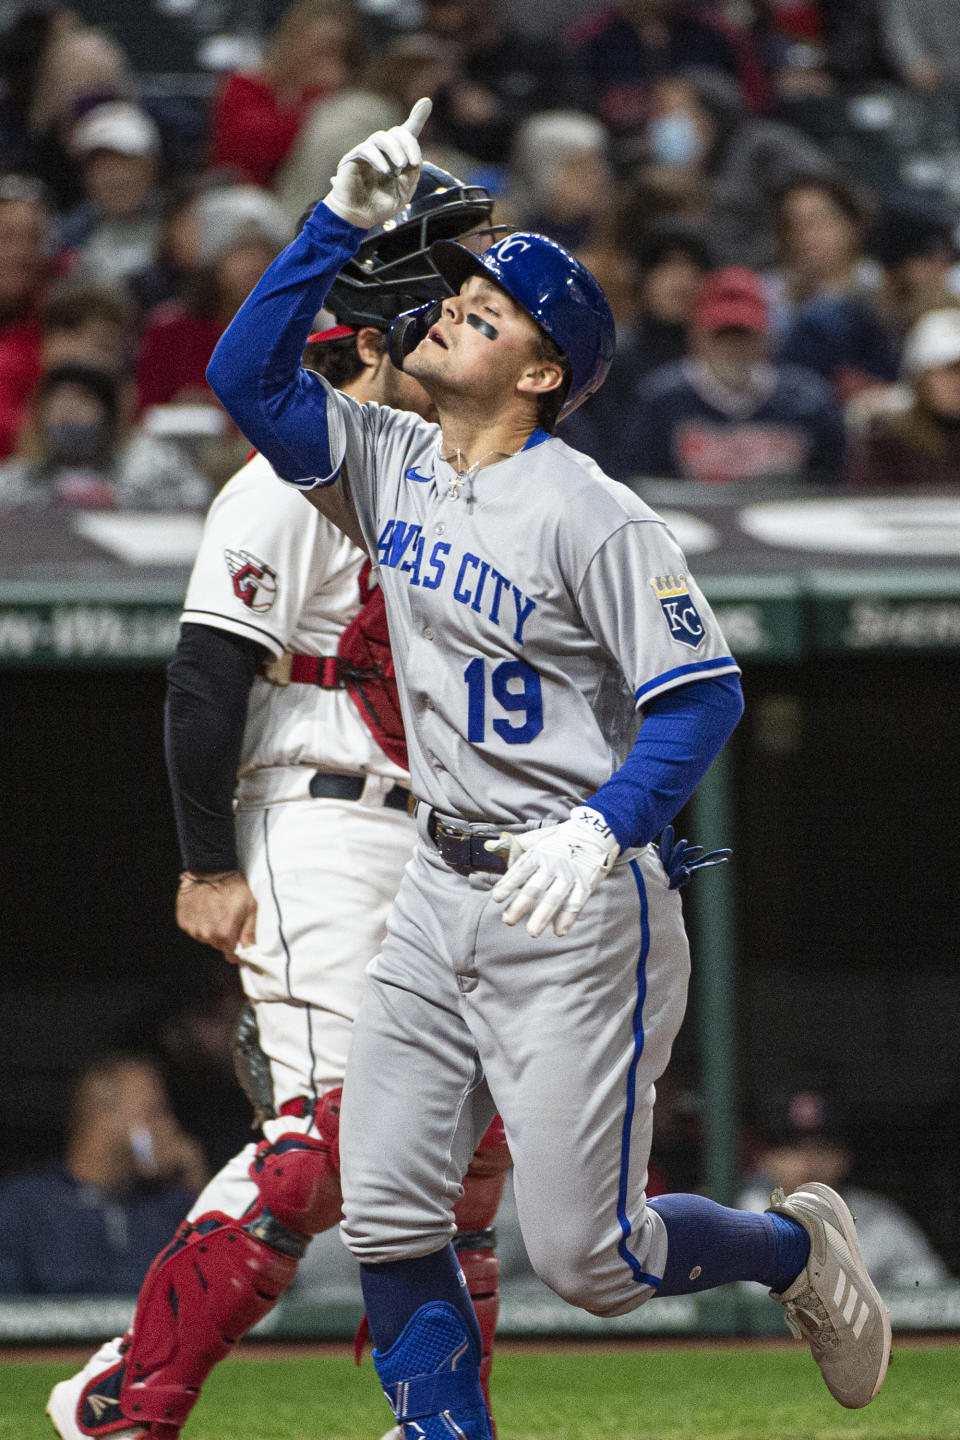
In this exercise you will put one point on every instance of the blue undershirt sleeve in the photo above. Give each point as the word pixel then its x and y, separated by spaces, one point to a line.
pixel 255 370
pixel 682 734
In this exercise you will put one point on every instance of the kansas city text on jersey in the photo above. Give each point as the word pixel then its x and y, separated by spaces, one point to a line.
pixel 401 546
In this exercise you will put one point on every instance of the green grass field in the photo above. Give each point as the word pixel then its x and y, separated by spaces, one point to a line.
pixel 653 1394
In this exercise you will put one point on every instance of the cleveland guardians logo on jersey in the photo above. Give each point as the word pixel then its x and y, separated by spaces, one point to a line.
pixel 682 617
pixel 254 583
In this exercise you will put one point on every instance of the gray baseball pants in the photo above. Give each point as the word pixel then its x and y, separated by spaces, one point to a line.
pixel 465 1016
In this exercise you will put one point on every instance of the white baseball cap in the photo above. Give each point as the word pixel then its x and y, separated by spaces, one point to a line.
pixel 117 126
pixel 231 214
pixel 933 342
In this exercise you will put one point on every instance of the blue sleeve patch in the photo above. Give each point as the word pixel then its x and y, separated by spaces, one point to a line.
pixel 679 611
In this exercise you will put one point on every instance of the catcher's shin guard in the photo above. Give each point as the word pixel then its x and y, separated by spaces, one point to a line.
pixel 484 1181
pixel 481 1270
pixel 220 1275
pixel 201 1294
pixel 430 1376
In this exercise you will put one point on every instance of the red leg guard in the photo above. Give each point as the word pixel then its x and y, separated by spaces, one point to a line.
pixel 201 1294
pixel 475 1213
pixel 298 1176
pixel 484 1181
pixel 481 1270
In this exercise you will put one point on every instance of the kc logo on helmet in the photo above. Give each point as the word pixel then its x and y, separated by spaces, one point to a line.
pixel 254 583
pixel 513 243
pixel 679 611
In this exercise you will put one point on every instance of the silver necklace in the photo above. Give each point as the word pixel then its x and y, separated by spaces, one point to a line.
pixel 460 474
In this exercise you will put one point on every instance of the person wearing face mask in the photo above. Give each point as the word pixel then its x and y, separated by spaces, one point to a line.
pixel 698 125
pixel 920 447
pixel 76 451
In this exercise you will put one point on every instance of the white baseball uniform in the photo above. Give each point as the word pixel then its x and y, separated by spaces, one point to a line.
pixel 323 871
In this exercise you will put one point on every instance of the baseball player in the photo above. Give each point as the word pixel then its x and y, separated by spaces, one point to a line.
pixel 282 678
pixel 564 687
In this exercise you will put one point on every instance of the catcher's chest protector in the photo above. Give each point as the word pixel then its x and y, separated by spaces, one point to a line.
pixel 368 671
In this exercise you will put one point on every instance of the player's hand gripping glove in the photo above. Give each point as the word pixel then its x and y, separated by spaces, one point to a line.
pixel 680 859
pixel 554 870
pixel 378 177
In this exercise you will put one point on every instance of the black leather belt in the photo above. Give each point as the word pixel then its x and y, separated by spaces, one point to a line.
pixel 325 786
pixel 462 851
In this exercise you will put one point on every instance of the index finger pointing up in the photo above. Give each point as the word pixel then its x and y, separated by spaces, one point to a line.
pixel 418 116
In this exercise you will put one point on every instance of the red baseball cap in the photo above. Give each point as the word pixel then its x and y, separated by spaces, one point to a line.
pixel 733 298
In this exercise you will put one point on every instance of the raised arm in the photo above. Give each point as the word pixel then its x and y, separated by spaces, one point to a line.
pixel 255 370
pixel 285 411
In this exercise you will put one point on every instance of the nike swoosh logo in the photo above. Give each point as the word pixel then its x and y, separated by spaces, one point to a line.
pixel 414 474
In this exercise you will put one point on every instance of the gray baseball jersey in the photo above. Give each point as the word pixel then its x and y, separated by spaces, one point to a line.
pixel 532 607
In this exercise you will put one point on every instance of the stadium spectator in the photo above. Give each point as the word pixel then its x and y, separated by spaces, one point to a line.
pixel 174 263
pixel 239 231
pixel 698 122
pixel 92 1223
pixel 919 448
pixel 913 242
pixel 86 325
pixel 77 450
pixel 728 413
pixel 115 231
pixel 825 293
pixel 822 224
pixel 502 76
pixel 804 1143
pixel 315 52
pixel 617 53
pixel 24 247
pixel 81 69
pixel 793 38
pixel 671 258
pixel 562 181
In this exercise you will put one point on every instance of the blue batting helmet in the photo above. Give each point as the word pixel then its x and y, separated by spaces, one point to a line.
pixel 554 288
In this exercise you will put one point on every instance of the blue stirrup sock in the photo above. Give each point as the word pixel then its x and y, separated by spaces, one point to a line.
pixel 428 1345
pixel 393 1292
pixel 709 1245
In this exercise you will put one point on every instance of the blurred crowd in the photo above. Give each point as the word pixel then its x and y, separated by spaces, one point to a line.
pixel 129 1169
pixel 768 191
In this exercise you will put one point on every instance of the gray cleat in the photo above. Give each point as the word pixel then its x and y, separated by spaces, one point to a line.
pixel 833 1304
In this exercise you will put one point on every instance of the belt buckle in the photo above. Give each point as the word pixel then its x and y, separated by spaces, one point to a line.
pixel 277 670
pixel 454 837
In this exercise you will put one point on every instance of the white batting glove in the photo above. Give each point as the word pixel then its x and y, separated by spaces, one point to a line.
pixel 554 870
pixel 378 177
